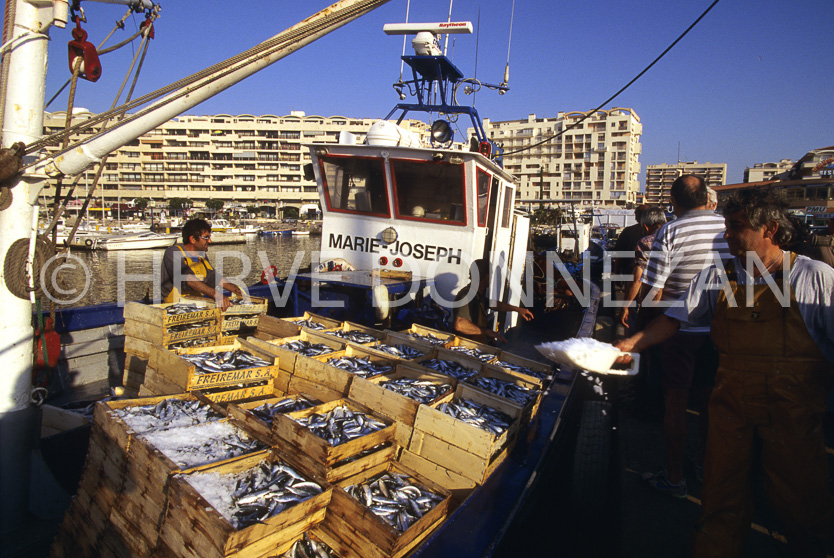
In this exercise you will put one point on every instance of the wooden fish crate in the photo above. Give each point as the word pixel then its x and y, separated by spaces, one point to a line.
pixel 194 528
pixel 82 526
pixel 134 373
pixel 391 404
pixel 257 427
pixel 100 487
pixel 543 369
pixel 255 305
pixel 300 446
pixel 156 314
pixel 463 342
pixel 460 486
pixel 182 373
pixel 142 348
pixel 460 447
pixel 530 407
pixel 160 334
pixel 444 337
pixel 399 338
pixel 347 327
pixel 353 530
pixel 288 360
pixel 270 328
pixel 320 370
pixel 451 356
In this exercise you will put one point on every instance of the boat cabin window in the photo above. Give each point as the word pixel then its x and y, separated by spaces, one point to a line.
pixel 483 196
pixel 509 201
pixel 429 191
pixel 355 184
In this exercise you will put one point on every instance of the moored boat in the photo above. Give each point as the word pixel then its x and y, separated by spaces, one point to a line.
pixel 141 241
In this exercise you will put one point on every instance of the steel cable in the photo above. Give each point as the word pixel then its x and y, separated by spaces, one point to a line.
pixel 208 75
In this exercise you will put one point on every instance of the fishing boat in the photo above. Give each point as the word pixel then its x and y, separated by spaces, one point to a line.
pixel 383 208
pixel 141 241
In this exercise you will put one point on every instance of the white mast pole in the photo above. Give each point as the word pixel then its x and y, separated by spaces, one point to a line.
pixel 22 121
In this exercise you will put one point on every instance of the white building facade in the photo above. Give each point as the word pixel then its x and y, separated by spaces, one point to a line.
pixel 595 163
pixel 659 178
pixel 245 159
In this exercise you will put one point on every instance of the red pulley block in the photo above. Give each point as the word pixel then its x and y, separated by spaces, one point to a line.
pixel 87 51
pixel 485 149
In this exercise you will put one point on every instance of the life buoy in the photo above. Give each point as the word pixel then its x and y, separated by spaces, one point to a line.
pixel 88 243
pixel 265 274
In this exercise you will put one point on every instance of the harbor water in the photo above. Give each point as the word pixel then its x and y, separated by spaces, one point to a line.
pixel 99 277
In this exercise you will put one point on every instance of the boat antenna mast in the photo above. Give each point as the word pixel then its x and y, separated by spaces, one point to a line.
pixel 435 77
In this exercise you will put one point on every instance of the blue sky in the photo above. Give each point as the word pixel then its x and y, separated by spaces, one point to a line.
pixel 751 83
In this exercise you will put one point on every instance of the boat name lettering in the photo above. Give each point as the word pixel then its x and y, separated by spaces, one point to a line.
pixel 428 252
pixel 417 250
pixel 232 376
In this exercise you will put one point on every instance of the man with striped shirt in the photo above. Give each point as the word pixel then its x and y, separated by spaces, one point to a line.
pixel 683 248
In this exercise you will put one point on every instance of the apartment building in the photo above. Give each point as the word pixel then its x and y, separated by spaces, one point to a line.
pixel 659 178
pixel 243 159
pixel 594 163
pixel 762 172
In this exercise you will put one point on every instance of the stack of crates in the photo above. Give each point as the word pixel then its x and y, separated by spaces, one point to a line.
pixel 168 326
pixel 240 320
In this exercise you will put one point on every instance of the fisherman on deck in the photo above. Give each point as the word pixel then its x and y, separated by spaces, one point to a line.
pixel 771 316
pixel 196 275
pixel 470 312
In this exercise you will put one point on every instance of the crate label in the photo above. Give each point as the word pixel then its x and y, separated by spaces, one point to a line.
pixel 237 394
pixel 204 381
pixel 190 317
pixel 188 333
